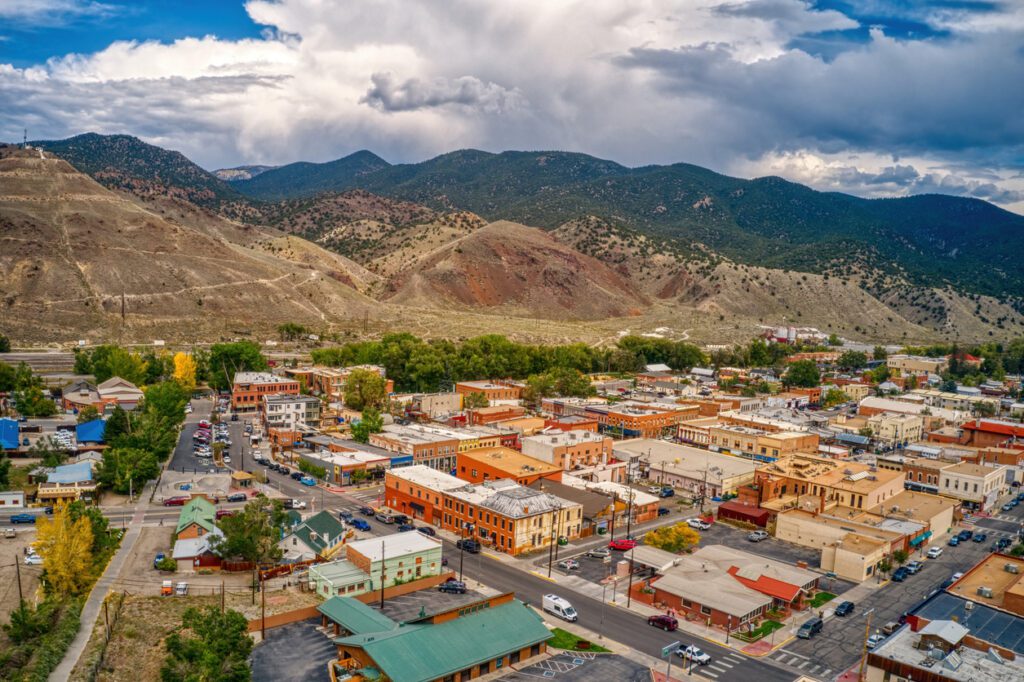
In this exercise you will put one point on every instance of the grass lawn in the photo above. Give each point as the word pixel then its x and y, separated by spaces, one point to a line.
pixel 822 598
pixel 566 640
pixel 762 630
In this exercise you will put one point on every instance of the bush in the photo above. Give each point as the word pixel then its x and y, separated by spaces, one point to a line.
pixel 167 564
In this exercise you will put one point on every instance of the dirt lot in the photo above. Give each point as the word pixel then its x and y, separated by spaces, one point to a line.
pixel 139 577
pixel 135 651
pixel 13 550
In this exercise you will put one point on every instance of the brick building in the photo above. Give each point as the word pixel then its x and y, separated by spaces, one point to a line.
pixel 484 464
pixel 249 389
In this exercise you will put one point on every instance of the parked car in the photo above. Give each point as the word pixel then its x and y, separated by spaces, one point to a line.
pixel 158 558
pixel 294 504
pixel 307 480
pixel 666 623
pixel 698 524
pixel 221 513
pixel 345 515
pixel 758 535
pixel 179 501
pixel 427 530
pixel 622 545
pixel 237 497
pixel 471 546
pixel 980 537
pixel 385 517
pixel 297 475
pixel 452 587
pixel 367 511
pixel 900 574
pixel 359 524
pixel 953 541
pixel 934 552
pixel 284 470
pixel 10 533
pixel 33 560
pixel 692 653
pixel 1003 543
pixel 1007 507
pixel 664 511
pixel 956 576
pixel 598 553
pixel 845 609
pixel 914 566
pixel 569 565
pixel 667 492
pixel 654 490
pixel 559 606
pixel 1020 497
pixel 405 527
pixel 875 640
pixel 810 628
pixel 964 535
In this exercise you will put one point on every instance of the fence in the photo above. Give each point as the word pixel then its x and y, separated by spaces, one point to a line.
pixel 110 621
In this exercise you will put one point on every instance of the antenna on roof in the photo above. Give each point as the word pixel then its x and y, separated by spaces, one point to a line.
pixel 24 140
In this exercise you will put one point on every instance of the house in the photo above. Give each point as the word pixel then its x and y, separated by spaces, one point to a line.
pixel 435 647
pixel 12 499
pixel 248 389
pixel 318 536
pixel 80 394
pixel 291 412
pixel 339 578
pixel 68 482
pixel 729 588
pixel 193 554
pixel 118 391
pixel 196 519
pixel 395 559
pixel 90 432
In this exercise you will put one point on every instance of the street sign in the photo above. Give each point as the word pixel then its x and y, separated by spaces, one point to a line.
pixel 668 650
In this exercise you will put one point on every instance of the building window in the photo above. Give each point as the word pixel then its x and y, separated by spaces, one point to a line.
pixel 706 610
pixel 687 603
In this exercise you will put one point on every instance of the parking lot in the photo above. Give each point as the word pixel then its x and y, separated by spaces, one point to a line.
pixel 424 602
pixel 293 652
pixel 184 458
pixel 579 666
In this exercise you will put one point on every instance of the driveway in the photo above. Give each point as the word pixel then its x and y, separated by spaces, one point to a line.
pixel 293 652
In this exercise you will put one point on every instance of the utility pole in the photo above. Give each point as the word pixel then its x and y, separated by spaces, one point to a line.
pixel 558 532
pixel 263 609
pixel 17 572
pixel 462 545
pixel 864 650
pixel 629 586
pixel 551 548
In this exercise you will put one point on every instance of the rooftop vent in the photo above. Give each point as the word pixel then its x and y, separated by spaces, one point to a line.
pixel 1011 568
pixel 984 591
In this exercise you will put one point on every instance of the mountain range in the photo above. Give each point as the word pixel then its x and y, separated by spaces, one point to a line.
pixel 675 242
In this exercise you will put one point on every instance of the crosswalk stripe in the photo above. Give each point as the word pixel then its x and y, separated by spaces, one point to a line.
pixel 804 665
pixel 707 673
pixel 721 662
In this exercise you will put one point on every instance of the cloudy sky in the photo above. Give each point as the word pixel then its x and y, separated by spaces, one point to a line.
pixel 872 97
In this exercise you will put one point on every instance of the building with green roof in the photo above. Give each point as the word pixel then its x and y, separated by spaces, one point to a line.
pixel 196 519
pixel 319 535
pixel 463 643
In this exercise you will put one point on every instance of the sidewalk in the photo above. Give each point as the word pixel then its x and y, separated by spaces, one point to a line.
pixel 91 610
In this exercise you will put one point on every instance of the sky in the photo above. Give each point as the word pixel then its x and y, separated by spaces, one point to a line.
pixel 871 97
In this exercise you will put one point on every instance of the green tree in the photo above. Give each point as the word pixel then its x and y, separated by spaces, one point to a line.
pixel 127 468
pixel 290 331
pixel 802 373
pixel 7 378
pixel 879 353
pixel 852 359
pixel 253 533
pixel 106 361
pixel 46 451
pixel 834 340
pixel 166 399
pixel 117 425
pixel 371 422
pixel 101 538
pixel 87 414
pixel 364 389
pixel 5 344
pixel 26 623
pixel 833 397
pixel 228 358
pixel 211 646
pixel 900 556
pixel 32 403
pixel 880 374
pixel 472 401
pixel 5 471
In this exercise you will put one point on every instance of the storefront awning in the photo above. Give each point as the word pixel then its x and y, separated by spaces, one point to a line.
pixel 920 538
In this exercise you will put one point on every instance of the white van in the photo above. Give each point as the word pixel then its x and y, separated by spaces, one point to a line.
pixel 560 607
pixel 935 552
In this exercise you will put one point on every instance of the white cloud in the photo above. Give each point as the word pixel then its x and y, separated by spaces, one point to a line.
pixel 52 11
pixel 712 82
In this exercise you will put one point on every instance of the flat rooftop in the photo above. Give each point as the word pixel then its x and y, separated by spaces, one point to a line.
pixel 508 460
pixel 424 476
pixel 985 622
pixel 261 378
pixel 914 505
pixel 968 665
pixel 990 574
pixel 683 459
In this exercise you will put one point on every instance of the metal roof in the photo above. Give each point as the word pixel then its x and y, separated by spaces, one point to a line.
pixel 986 623
pixel 91 431
pixel 355 616
pixel 422 652
pixel 8 434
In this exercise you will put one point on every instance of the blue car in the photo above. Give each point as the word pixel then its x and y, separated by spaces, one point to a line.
pixel 360 524
pixel 158 558
pixel 23 518
pixel 953 541
pixel 900 574
pixel 307 480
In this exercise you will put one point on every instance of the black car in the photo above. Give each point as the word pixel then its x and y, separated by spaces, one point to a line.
pixel 297 475
pixel 367 511
pixel 964 535
pixel 401 519
pixel 980 537
pixel 1003 543
pixel 284 470
pixel 405 527
pixel 844 609
pixel 471 546
pixel 427 530
pixel 345 514
pixel 452 587
pixel 663 511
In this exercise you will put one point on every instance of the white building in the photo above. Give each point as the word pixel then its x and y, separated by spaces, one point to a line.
pixel 977 485
pixel 291 412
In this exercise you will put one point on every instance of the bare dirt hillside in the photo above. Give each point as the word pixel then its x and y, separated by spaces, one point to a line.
pixel 520 271
pixel 73 254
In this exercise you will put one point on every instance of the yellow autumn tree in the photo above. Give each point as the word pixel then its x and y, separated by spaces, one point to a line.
pixel 66 548
pixel 676 538
pixel 185 370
